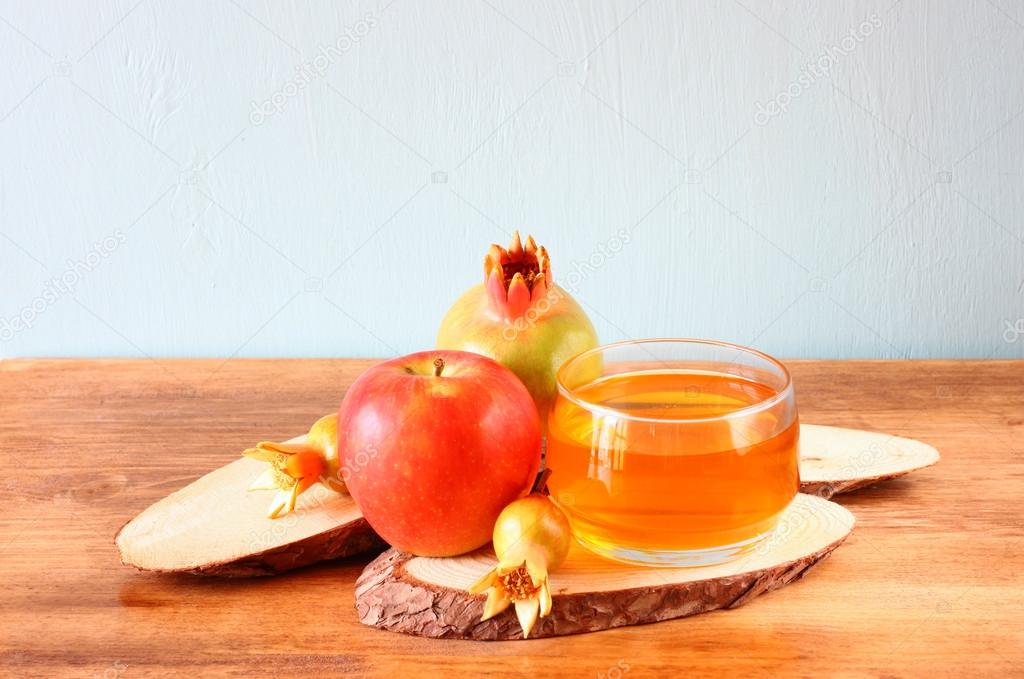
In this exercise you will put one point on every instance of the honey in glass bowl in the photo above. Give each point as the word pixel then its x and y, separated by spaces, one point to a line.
pixel 673 452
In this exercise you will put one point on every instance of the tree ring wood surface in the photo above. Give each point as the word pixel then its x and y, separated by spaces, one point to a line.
pixel 838 460
pixel 215 526
pixel 427 596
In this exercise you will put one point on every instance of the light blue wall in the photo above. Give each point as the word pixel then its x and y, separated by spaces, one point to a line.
pixel 814 180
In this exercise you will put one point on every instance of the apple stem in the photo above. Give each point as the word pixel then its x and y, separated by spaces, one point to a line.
pixel 438 366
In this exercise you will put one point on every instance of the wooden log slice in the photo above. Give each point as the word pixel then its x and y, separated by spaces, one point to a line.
pixel 427 597
pixel 837 460
pixel 215 526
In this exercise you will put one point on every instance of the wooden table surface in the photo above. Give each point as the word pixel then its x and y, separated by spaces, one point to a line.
pixel 930 583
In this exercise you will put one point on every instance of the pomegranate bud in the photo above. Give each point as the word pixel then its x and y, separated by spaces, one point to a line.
pixel 515 250
pixel 496 256
pixel 518 296
pixel 540 287
pixel 531 245
pixel 531 539
pixel 543 261
pixel 294 467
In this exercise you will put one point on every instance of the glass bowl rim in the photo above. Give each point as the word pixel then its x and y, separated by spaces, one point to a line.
pixel 783 394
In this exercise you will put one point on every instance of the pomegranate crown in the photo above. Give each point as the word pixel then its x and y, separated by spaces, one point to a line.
pixel 516 277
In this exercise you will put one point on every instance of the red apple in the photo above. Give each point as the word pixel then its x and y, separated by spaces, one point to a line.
pixel 434 445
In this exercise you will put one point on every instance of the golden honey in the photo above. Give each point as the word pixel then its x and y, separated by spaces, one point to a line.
pixel 654 464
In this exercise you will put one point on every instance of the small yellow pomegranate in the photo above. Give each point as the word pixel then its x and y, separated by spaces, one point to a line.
pixel 294 467
pixel 531 539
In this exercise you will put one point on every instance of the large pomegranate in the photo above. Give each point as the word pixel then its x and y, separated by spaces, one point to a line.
pixel 520 318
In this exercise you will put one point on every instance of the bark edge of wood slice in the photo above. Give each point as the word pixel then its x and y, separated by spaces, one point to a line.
pixel 425 596
pixel 837 460
pixel 216 526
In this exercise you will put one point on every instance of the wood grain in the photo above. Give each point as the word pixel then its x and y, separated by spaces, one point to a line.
pixel 837 460
pixel 930 583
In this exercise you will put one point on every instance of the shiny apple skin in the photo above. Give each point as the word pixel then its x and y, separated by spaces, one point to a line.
pixel 432 460
pixel 536 346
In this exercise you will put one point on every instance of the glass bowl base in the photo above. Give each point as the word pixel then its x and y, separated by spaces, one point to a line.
pixel 685 558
